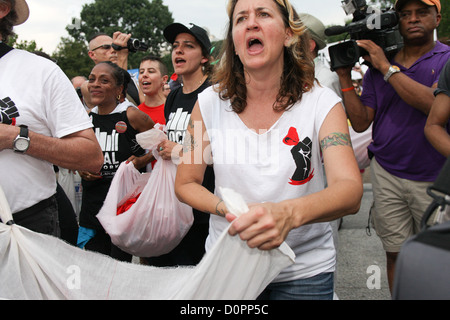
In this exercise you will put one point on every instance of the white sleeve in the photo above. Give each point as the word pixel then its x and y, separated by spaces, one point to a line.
pixel 63 107
pixel 326 100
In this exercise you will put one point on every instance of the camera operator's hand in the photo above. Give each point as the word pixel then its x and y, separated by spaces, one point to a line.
pixel 121 39
pixel 376 55
pixel 345 76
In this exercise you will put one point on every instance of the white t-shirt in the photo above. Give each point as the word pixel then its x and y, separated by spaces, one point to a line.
pixel 47 103
pixel 279 164
pixel 326 77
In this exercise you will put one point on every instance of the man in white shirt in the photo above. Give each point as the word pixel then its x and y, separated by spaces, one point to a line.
pixel 42 123
pixel 316 29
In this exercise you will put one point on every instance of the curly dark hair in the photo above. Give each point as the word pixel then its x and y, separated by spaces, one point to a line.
pixel 298 73
pixel 7 23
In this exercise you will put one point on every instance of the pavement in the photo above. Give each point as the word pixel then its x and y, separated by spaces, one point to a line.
pixel 361 260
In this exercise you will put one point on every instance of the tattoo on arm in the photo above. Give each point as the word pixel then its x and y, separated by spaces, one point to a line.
pixel 219 212
pixel 189 143
pixel 190 124
pixel 336 139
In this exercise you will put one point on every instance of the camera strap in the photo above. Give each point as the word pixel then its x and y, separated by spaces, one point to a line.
pixel 4 49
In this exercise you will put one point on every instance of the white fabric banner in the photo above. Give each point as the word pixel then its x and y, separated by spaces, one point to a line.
pixel 36 266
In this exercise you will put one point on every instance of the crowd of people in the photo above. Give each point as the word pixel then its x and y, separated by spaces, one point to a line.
pixel 269 120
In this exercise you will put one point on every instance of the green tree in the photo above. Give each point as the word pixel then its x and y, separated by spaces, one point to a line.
pixel 144 19
pixel 30 46
pixel 384 4
pixel 444 27
pixel 72 57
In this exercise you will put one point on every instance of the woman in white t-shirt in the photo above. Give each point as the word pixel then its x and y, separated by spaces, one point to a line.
pixel 267 126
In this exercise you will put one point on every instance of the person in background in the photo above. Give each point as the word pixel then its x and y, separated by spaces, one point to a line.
pixel 153 76
pixel 166 89
pixel 116 121
pixel 102 48
pixel 30 144
pixel 357 78
pixel 396 98
pixel 323 73
pixel 264 127
pixel 191 61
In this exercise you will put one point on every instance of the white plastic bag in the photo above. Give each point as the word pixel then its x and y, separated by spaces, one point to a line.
pixel 71 183
pixel 152 138
pixel 157 222
pixel 360 142
pixel 36 266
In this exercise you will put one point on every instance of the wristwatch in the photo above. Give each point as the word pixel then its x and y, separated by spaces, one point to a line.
pixel 392 70
pixel 22 141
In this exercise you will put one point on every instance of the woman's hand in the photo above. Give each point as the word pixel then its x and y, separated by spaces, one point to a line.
pixel 169 150
pixel 141 162
pixel 85 175
pixel 265 226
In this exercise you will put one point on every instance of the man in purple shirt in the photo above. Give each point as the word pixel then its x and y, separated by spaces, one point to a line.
pixel 397 97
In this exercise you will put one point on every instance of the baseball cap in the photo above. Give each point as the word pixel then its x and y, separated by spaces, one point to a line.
pixel 173 30
pixel 316 29
pixel 22 10
pixel 400 3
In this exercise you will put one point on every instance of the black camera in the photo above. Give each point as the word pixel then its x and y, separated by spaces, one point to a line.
pixel 379 26
pixel 133 45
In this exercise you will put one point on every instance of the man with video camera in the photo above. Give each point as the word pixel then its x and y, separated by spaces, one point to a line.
pixel 397 97
pixel 116 49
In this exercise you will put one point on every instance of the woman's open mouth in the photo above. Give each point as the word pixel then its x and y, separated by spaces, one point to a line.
pixel 255 45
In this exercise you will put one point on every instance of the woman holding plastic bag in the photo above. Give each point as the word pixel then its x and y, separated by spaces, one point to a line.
pixel 267 124
pixel 116 124
pixel 141 212
pixel 191 59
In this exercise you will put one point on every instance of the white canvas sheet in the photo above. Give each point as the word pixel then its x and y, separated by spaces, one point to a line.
pixel 36 266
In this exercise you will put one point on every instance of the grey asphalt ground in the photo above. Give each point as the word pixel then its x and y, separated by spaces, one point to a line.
pixel 361 260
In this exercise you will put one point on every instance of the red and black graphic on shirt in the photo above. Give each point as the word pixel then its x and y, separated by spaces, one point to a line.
pixel 301 152
pixel 8 111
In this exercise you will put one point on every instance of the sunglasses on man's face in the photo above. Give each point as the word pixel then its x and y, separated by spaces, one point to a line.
pixel 103 46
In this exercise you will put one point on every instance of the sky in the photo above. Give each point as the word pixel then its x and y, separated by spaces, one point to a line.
pixel 49 18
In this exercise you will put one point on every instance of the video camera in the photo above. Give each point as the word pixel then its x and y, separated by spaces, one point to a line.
pixel 133 45
pixel 379 26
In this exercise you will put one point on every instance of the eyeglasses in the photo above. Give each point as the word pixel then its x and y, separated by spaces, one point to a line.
pixel 103 46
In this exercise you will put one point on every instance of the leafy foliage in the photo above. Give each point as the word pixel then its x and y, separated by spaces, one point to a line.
pixel 30 46
pixel 144 19
pixel 72 57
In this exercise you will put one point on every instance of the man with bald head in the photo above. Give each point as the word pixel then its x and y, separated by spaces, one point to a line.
pixel 101 49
